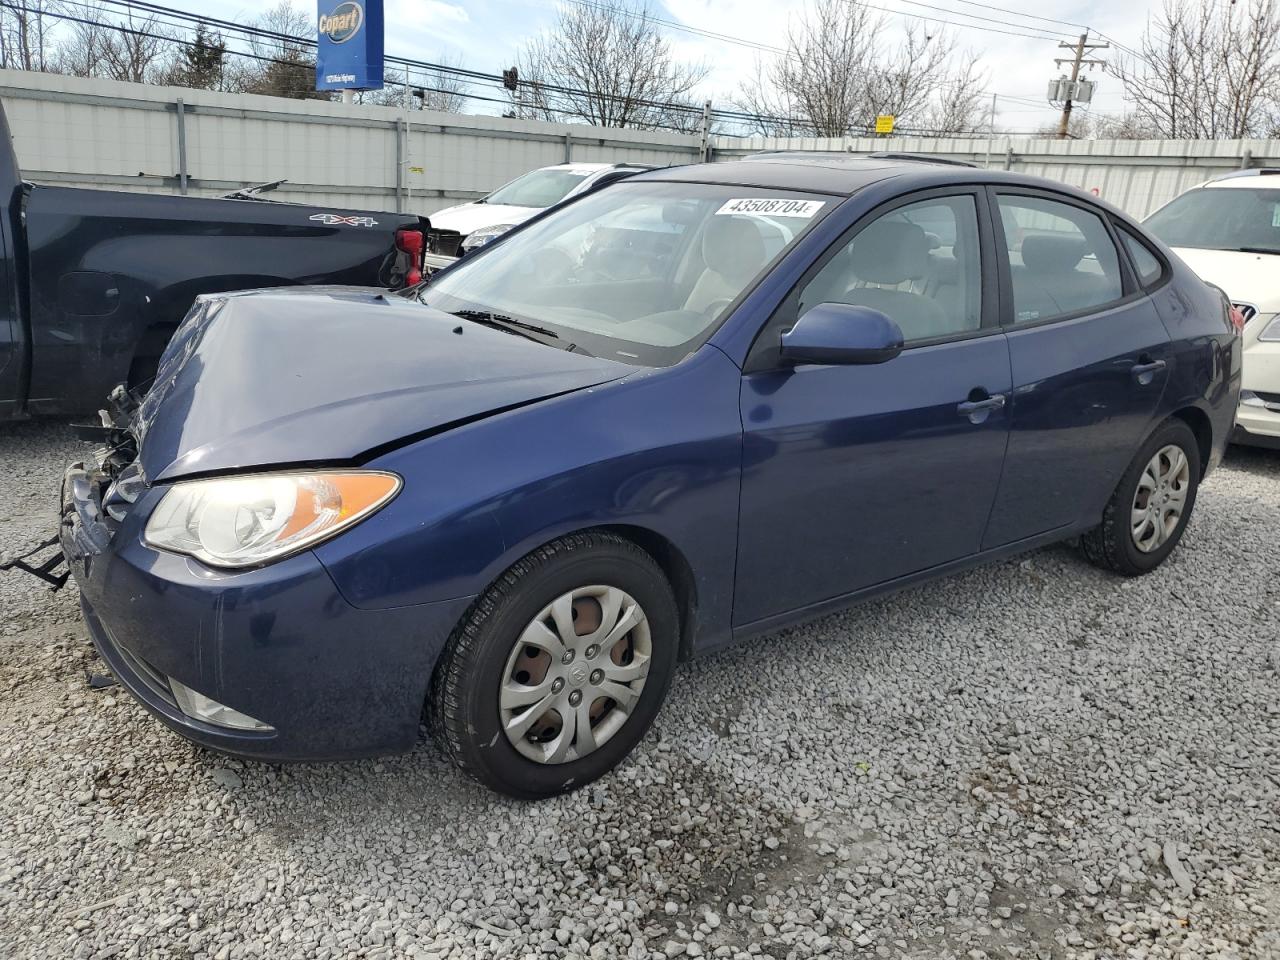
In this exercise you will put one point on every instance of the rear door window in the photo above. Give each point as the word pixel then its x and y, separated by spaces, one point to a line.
pixel 1062 261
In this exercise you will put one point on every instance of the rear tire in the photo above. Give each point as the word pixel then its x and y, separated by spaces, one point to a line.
pixel 1139 528
pixel 520 643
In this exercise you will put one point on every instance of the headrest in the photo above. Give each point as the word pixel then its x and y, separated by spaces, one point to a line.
pixel 1047 254
pixel 732 246
pixel 890 251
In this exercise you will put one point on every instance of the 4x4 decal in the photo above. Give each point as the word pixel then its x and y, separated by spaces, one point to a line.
pixel 335 219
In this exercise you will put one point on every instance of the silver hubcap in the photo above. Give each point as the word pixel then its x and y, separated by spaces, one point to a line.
pixel 1161 498
pixel 575 674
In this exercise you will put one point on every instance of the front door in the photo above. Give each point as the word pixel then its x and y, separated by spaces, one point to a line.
pixel 1089 358
pixel 11 335
pixel 857 475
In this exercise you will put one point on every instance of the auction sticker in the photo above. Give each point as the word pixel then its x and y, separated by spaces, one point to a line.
pixel 770 207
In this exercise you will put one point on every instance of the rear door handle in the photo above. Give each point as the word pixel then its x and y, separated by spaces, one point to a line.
pixel 978 410
pixel 1145 373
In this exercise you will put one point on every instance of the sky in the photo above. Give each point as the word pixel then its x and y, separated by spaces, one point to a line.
pixel 486 34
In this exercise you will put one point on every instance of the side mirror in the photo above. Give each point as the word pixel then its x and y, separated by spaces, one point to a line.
pixel 842 333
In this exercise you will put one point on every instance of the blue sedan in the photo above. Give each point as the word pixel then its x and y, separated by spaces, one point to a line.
pixel 695 405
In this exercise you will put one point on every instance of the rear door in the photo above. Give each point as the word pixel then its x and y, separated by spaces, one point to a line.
pixel 1089 356
pixel 857 475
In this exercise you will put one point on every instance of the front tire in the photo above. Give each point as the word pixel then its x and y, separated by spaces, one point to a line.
pixel 1146 516
pixel 559 668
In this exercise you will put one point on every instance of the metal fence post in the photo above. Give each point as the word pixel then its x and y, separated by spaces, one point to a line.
pixel 704 149
pixel 401 153
pixel 568 148
pixel 182 147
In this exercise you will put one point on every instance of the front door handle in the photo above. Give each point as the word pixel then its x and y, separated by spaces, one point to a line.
pixel 1145 372
pixel 978 410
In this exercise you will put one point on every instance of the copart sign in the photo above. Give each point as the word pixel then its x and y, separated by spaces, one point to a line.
pixel 349 37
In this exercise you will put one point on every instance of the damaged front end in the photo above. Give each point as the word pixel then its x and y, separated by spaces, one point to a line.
pixel 98 493
pixel 96 496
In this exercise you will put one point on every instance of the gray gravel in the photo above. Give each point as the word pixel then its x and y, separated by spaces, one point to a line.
pixel 1032 760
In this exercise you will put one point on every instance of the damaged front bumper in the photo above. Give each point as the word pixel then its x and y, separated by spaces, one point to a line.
pixel 277 645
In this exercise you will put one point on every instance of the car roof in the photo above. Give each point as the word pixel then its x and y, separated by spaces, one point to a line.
pixel 1267 178
pixel 844 174
pixel 593 167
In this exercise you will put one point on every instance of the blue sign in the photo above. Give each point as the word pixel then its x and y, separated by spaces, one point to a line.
pixel 349 56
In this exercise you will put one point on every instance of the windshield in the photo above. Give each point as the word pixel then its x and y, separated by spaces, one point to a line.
pixel 1223 218
pixel 541 188
pixel 638 272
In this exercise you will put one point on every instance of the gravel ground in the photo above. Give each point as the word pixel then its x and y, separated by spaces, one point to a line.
pixel 1031 760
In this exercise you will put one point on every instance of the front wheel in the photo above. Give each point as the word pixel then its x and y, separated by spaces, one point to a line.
pixel 559 668
pixel 1148 513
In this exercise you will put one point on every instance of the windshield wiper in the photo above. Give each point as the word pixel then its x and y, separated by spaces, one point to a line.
pixel 509 324
pixel 1271 250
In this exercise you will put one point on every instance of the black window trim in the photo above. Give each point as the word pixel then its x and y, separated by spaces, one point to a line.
pixel 1166 269
pixel 1131 290
pixel 763 357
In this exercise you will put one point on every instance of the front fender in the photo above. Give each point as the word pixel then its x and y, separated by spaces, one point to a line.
pixel 659 451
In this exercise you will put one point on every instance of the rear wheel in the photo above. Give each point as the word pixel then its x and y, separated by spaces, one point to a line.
pixel 1148 513
pixel 558 670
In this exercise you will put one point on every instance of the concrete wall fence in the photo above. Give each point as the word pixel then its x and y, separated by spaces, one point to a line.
pixel 125 136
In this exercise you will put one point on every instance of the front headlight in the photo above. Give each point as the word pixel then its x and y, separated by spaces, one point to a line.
pixel 478 238
pixel 1271 332
pixel 248 521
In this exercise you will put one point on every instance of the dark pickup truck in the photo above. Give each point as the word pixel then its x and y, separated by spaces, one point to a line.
pixel 93 283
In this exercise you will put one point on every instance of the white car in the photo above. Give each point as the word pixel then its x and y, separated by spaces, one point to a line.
pixel 468 226
pixel 1228 231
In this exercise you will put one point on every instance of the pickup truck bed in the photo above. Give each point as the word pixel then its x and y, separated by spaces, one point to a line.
pixel 94 282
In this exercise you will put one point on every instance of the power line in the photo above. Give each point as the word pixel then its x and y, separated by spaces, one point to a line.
pixel 685 28
pixel 249 34
pixel 1028 16
pixel 470 75
pixel 769 48
pixel 1043 34
pixel 1017 99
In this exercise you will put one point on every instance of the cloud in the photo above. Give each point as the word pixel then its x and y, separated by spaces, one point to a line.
pixel 433 11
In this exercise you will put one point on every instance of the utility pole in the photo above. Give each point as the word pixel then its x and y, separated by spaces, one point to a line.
pixel 1081 47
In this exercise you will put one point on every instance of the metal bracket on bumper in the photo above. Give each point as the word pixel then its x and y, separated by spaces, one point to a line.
pixel 45 569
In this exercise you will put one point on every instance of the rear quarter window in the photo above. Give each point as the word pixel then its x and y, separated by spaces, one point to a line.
pixel 1145 263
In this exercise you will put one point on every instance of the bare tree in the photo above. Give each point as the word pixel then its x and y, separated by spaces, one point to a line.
pixel 1091 125
pixel 136 50
pixel 1206 70
pixel 81 51
pixel 959 103
pixel 26 42
pixel 100 44
pixel 607 64
pixel 840 70
pixel 280 66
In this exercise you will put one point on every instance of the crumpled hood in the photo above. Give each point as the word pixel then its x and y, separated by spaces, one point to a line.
pixel 312 375
pixel 469 217
pixel 1246 277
